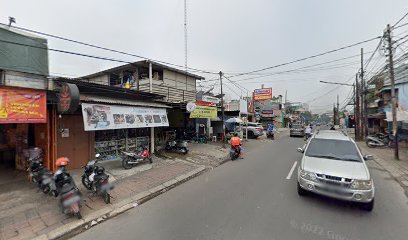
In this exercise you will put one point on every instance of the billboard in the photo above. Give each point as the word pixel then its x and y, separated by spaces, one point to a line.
pixel 20 105
pixel 204 112
pixel 103 117
pixel 262 94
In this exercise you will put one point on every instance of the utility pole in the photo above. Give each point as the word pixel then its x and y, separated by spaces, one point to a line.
pixel 355 108
pixel 393 97
pixel 357 111
pixel 222 112
pixel 338 110
pixel 364 98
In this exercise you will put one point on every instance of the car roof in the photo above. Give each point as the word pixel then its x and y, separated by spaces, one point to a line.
pixel 330 134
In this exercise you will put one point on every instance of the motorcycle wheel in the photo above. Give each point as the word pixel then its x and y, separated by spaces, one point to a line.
pixel 232 156
pixel 184 151
pixel 106 197
pixel 125 163
pixel 45 189
pixel 54 193
pixel 85 182
pixel 369 144
pixel 78 215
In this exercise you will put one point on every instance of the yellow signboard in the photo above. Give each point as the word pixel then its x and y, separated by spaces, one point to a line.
pixel 204 112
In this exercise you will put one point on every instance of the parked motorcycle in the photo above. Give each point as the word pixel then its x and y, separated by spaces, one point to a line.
pixel 129 158
pixel 179 146
pixel 96 180
pixel 64 186
pixel 235 152
pixel 379 140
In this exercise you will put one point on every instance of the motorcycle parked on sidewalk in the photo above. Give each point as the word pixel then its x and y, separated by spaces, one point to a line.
pixel 63 185
pixel 96 180
pixel 235 152
pixel 179 146
pixel 130 159
pixel 379 140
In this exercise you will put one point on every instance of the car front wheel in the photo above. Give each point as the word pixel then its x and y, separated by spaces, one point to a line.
pixel 300 190
pixel 368 206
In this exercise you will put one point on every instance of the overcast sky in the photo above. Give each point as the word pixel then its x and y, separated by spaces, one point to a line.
pixel 228 35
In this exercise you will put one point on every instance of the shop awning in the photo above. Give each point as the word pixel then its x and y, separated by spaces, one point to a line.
pixel 110 100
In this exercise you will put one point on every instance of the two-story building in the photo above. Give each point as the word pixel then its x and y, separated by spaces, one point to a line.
pixel 381 120
pixel 25 116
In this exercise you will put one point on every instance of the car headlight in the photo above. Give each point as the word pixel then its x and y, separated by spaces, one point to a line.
pixel 308 175
pixel 361 184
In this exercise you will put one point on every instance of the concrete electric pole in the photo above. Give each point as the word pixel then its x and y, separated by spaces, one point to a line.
pixel 393 97
pixel 222 112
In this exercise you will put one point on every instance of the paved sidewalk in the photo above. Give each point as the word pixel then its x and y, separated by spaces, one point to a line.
pixel 385 158
pixel 43 216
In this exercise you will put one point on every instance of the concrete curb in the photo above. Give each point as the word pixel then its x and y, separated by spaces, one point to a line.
pixel 68 230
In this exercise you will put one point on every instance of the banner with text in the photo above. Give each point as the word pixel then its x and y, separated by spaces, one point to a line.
pixel 204 112
pixel 19 105
pixel 102 117
pixel 262 94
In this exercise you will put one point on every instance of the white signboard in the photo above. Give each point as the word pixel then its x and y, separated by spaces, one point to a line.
pixel 401 116
pixel 102 117
pixel 210 99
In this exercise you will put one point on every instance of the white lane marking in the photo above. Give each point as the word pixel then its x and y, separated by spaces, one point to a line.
pixel 291 170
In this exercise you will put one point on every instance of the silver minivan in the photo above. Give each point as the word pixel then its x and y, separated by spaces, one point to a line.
pixel 332 165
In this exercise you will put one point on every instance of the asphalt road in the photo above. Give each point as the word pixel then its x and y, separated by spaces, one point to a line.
pixel 252 199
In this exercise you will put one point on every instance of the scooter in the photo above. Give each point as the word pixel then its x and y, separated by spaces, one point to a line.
pixel 129 158
pixel 379 140
pixel 270 134
pixel 235 152
pixel 179 146
pixel 96 180
pixel 70 197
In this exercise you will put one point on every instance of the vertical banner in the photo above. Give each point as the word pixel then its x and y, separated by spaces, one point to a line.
pixel 20 105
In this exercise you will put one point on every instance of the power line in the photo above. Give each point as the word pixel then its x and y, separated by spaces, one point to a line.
pixel 103 48
pixel 307 58
pixel 296 70
pixel 406 14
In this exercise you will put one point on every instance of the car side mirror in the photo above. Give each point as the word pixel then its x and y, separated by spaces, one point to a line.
pixel 300 150
pixel 368 157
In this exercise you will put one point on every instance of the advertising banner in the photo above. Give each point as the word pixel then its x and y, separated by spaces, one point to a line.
pixel 18 105
pixel 204 112
pixel 102 117
pixel 263 94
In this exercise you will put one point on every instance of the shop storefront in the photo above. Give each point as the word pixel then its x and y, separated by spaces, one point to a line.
pixel 24 118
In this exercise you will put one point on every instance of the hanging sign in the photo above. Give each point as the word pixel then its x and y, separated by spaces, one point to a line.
pixel 20 105
pixel 102 117
pixel 68 98
pixel 204 112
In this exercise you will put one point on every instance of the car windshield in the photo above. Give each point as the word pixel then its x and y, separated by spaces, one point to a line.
pixel 333 149
pixel 296 126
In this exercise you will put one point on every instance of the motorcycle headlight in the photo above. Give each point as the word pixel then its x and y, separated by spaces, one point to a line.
pixel 308 175
pixel 361 184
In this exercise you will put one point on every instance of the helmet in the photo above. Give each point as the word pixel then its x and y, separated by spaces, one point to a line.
pixel 100 170
pixel 62 161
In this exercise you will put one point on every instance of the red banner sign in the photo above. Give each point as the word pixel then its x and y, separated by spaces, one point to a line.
pixel 20 105
pixel 263 94
pixel 204 103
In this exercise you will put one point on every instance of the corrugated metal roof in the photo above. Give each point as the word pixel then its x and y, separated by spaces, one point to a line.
pixel 109 100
